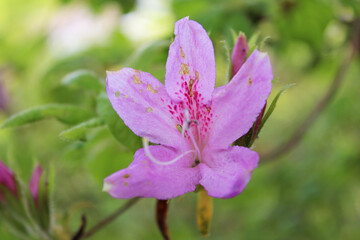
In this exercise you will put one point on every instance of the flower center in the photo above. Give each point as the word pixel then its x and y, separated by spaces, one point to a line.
pixel 188 128
pixel 192 116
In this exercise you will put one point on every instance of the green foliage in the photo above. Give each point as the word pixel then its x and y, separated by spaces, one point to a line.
pixel 64 113
pixel 248 139
pixel 253 43
pixel 27 220
pixel 295 17
pixel 227 51
pixel 147 56
pixel 117 127
pixel 272 106
pixel 78 132
pixel 84 79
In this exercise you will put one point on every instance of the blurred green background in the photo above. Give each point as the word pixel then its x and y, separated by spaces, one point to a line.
pixel 313 192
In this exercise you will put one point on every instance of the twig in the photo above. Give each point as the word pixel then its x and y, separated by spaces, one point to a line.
pixel 78 235
pixel 323 102
pixel 161 217
pixel 110 218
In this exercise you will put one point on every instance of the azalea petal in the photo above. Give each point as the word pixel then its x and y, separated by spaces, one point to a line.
pixel 227 172
pixel 142 103
pixel 236 105
pixel 143 178
pixel 190 66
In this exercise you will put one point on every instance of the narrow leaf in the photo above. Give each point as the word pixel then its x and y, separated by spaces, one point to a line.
pixel 83 79
pixel 235 36
pixel 139 58
pixel 68 114
pixel 252 43
pixel 117 127
pixel 227 50
pixel 78 132
pixel 263 41
pixel 256 126
pixel 272 106
pixel 248 139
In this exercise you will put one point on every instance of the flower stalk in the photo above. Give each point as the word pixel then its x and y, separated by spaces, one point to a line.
pixel 204 212
pixel 161 217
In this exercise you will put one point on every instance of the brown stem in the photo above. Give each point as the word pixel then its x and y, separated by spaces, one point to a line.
pixel 161 216
pixel 110 218
pixel 323 102
pixel 78 235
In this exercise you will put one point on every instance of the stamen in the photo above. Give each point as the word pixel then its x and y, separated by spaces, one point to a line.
pixel 152 158
pixel 187 126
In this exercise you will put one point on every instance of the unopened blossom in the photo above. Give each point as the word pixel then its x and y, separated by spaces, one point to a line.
pixel 34 183
pixel 7 180
pixel 4 99
pixel 239 53
pixel 193 123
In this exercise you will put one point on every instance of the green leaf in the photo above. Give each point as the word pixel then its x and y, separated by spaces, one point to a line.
pixel 272 106
pixel 140 58
pixel 78 132
pixel 68 114
pixel 263 41
pixel 228 60
pixel 83 79
pixel 235 35
pixel 13 211
pixel 253 43
pixel 117 127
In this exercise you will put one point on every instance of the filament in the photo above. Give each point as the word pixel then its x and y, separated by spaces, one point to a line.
pixel 187 126
pixel 153 159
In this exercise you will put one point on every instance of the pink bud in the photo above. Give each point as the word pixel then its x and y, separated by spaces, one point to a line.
pixel 7 179
pixel 3 96
pixel 34 183
pixel 239 53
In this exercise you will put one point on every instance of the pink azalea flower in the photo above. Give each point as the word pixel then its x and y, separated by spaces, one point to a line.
pixel 194 123
pixel 34 183
pixel 7 179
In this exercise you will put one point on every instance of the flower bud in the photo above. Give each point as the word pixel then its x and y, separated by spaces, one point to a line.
pixel 239 53
pixel 7 180
pixel 34 183
pixel 3 96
